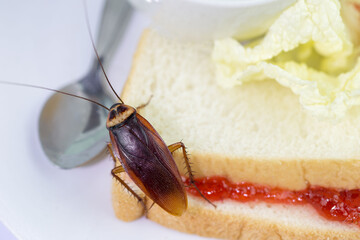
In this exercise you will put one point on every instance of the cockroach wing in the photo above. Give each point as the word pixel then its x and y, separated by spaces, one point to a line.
pixel 149 163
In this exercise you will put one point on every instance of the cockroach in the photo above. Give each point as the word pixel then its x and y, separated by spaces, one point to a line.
pixel 142 153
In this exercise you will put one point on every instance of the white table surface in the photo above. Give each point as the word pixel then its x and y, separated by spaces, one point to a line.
pixel 46 43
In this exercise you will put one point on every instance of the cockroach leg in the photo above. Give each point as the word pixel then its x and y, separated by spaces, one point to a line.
pixel 153 203
pixel 175 146
pixel 120 169
pixel 145 104
pixel 109 147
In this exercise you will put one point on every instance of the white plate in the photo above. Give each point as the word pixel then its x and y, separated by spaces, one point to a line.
pixel 46 43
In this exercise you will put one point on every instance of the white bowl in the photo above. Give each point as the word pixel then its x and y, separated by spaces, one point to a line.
pixel 198 20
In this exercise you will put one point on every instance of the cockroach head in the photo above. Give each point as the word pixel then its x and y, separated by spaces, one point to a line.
pixel 118 113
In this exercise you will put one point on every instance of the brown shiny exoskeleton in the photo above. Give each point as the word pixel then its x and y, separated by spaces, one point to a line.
pixel 146 158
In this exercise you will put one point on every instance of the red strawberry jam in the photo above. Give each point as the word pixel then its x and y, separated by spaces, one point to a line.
pixel 335 205
pixel 357 6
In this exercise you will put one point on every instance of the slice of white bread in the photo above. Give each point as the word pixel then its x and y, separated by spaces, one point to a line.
pixel 257 133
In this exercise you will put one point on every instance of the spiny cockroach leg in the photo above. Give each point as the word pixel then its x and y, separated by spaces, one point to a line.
pixel 176 146
pixel 153 203
pixel 110 150
pixel 120 169
pixel 144 104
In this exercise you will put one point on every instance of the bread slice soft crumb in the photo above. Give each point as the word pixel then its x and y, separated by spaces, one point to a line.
pixel 259 129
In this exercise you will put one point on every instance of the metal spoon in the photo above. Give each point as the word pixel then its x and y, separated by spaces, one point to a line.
pixel 72 131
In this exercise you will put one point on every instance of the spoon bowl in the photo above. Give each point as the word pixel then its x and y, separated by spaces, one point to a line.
pixel 71 130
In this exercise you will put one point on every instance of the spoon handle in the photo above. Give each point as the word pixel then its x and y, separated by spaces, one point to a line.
pixel 115 19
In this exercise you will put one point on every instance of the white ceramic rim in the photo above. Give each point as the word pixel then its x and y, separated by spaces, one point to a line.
pixel 230 3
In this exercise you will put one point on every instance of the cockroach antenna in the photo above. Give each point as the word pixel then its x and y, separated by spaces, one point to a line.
pixel 96 52
pixel 54 90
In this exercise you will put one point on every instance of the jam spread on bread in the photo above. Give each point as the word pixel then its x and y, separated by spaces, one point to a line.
pixel 333 204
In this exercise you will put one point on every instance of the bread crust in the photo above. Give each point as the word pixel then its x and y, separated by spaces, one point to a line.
pixel 219 224
pixel 293 174
pixel 126 206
